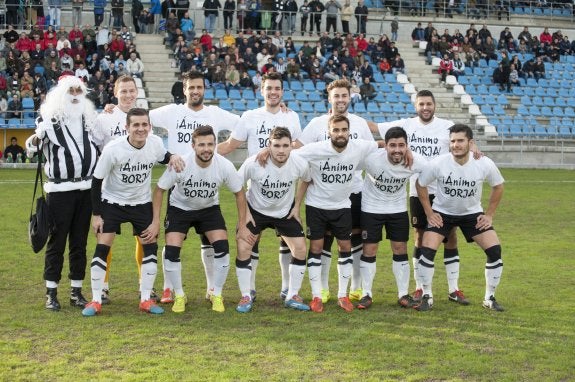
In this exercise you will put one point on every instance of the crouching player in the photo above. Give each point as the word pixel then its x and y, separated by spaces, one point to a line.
pixel 457 203
pixel 121 192
pixel 270 200
pixel 194 202
pixel 384 205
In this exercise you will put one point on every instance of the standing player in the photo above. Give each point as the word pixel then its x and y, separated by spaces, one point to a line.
pixel 109 126
pixel 460 179
pixel 254 128
pixel 180 121
pixel 428 136
pixel 383 204
pixel 194 202
pixel 339 98
pixel 270 200
pixel 334 165
pixel 121 193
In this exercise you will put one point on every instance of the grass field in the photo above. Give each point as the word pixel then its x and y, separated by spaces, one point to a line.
pixel 532 340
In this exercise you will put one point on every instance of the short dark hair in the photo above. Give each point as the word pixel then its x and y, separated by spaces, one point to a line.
pixel 192 75
pixel 280 132
pixel 338 118
pixel 136 111
pixel 203 131
pixel 273 76
pixel 395 132
pixel 425 93
pixel 461 128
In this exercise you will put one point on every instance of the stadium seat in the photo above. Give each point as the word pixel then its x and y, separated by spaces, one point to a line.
pixel 320 107
pixel 27 103
pixel 29 123
pixel 502 100
pixel 392 98
pixel 320 85
pixel 288 96
pixel 294 105
pixel 302 97
pixel 315 97
pixel 546 111
pixel 309 86
pixel 372 107
pixel 209 94
pixel 226 105
pixel 221 94
pixel 306 107
pixel 14 123
pixel 534 111
pixel 498 110
pixel 252 104
pixel 385 108
pixel 359 107
pixel 549 101
pixel 399 108
pixel 565 132
pixel 238 105
pixel 296 85
pixel 235 94
pixel 248 94
pixel 558 111
pixel 490 100
pixel 569 111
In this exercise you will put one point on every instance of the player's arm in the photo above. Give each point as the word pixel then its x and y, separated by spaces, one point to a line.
pixel 228 146
pixel 96 194
pixel 486 220
pixel 301 190
pixel 174 161
pixel 373 127
pixel 244 217
pixel 154 229
pixel 476 152
pixel 433 218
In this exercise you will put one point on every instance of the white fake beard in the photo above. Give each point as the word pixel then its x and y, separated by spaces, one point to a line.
pixel 74 109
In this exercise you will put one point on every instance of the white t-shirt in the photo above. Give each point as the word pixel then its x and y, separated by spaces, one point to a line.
pixel 430 141
pixel 196 187
pixel 385 183
pixel 317 131
pixel 332 173
pixel 459 187
pixel 180 121
pixel 127 171
pixel 109 126
pixel 272 189
pixel 255 127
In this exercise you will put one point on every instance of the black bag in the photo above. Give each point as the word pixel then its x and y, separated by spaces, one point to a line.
pixel 40 221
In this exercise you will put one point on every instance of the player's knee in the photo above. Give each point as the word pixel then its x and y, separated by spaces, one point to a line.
pixel 150 249
pixel 221 248
pixel 428 253
pixel 493 253
pixel 172 253
pixel 102 251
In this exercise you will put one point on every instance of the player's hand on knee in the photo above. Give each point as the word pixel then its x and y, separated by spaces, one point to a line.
pixel 435 220
pixel 97 224
pixel 484 222
pixel 294 213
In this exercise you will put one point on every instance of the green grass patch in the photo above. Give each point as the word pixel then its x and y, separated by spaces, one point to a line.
pixel 532 340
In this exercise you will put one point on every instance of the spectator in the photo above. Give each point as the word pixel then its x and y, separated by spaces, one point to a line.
pixel 432 50
pixel 367 91
pixel 418 33
pixel 187 26
pixel 293 70
pixel 513 77
pixel 99 9
pixel 545 37
pixel 502 7
pixel 242 10
pixel 384 66
pixel 55 7
pixel 27 86
pixel 15 107
pixel 3 106
pixel 232 78
pixel 525 35
pixel 501 77
pixel 135 66
pixel 394 28
pixel 354 92
pixel 245 81
pixel 218 78
pixel 228 12
pixel 156 13
pixel 332 8
pixel 361 13
pixel 305 10
pixel 445 67
pixel 316 9
pixel 206 40
pixel 398 65
pixel 210 8
pixel 14 153
pixel 366 71
pixel 458 65
pixel 538 69
pixel 118 13
pixel 181 6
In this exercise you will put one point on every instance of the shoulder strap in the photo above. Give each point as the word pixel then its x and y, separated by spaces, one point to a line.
pixel 39 177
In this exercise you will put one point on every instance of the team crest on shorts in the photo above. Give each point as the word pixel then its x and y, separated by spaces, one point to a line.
pixel 166 223
pixel 414 220
pixel 364 235
pixel 307 231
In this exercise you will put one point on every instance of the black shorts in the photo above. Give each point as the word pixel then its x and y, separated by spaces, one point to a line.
pixel 320 221
pixel 114 215
pixel 418 218
pixel 283 226
pixel 466 223
pixel 396 227
pixel 205 220
pixel 355 210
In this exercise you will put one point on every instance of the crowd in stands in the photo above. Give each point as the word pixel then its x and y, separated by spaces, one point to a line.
pixel 32 62
pixel 457 50
pixel 238 61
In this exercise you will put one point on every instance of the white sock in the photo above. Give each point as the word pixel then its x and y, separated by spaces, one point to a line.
pixel 400 267
pixel 426 271
pixel 255 263
pixel 451 261
pixel 285 259
pixel 51 284
pixel 314 268
pixel 221 269
pixel 208 261
pixel 243 272
pixel 76 283
pixel 167 282
pixel 344 270
pixel 367 267
pixel 97 275
pixel 325 267
pixel 149 271
pixel 493 273
pixel 296 274
pixel 173 273
pixel 356 252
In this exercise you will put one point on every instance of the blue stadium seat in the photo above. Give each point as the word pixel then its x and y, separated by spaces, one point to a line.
pixel 296 85
pixel 546 111
pixel 498 110
pixel 530 91
pixel 235 94
pixel 517 91
pixel 209 94
pixel 320 107
pixel 27 103
pixel 541 91
pixel 320 85
pixel 490 100
pixel 248 94
pixel 569 111
pixel 385 108
pixel 14 123
pixel 549 101
pixel 565 132
pixel 238 105
pixel 405 98
pixel 482 89
pixel 221 94
pixel 372 107
pixel 552 92
pixel 392 98
pixel 315 97
pixel 560 102
pixel 479 100
pixel 502 100
pixel 410 109
pixel 294 105
pixel 390 78
pixel 534 111
pixel 252 104
pixel 301 96
pixel 558 111
pixel 288 96
pixel 29 123
pixel 463 80
pixel 309 86
pixel 526 100
pixel 522 110
pixel 359 107
pixel 399 108
pixel 306 107
pixel 397 88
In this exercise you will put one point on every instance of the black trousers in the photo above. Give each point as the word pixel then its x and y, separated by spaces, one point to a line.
pixel 71 211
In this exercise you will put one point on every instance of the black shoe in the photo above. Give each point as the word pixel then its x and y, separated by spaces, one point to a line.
pixel 52 302
pixel 365 302
pixel 426 303
pixel 407 301
pixel 76 298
